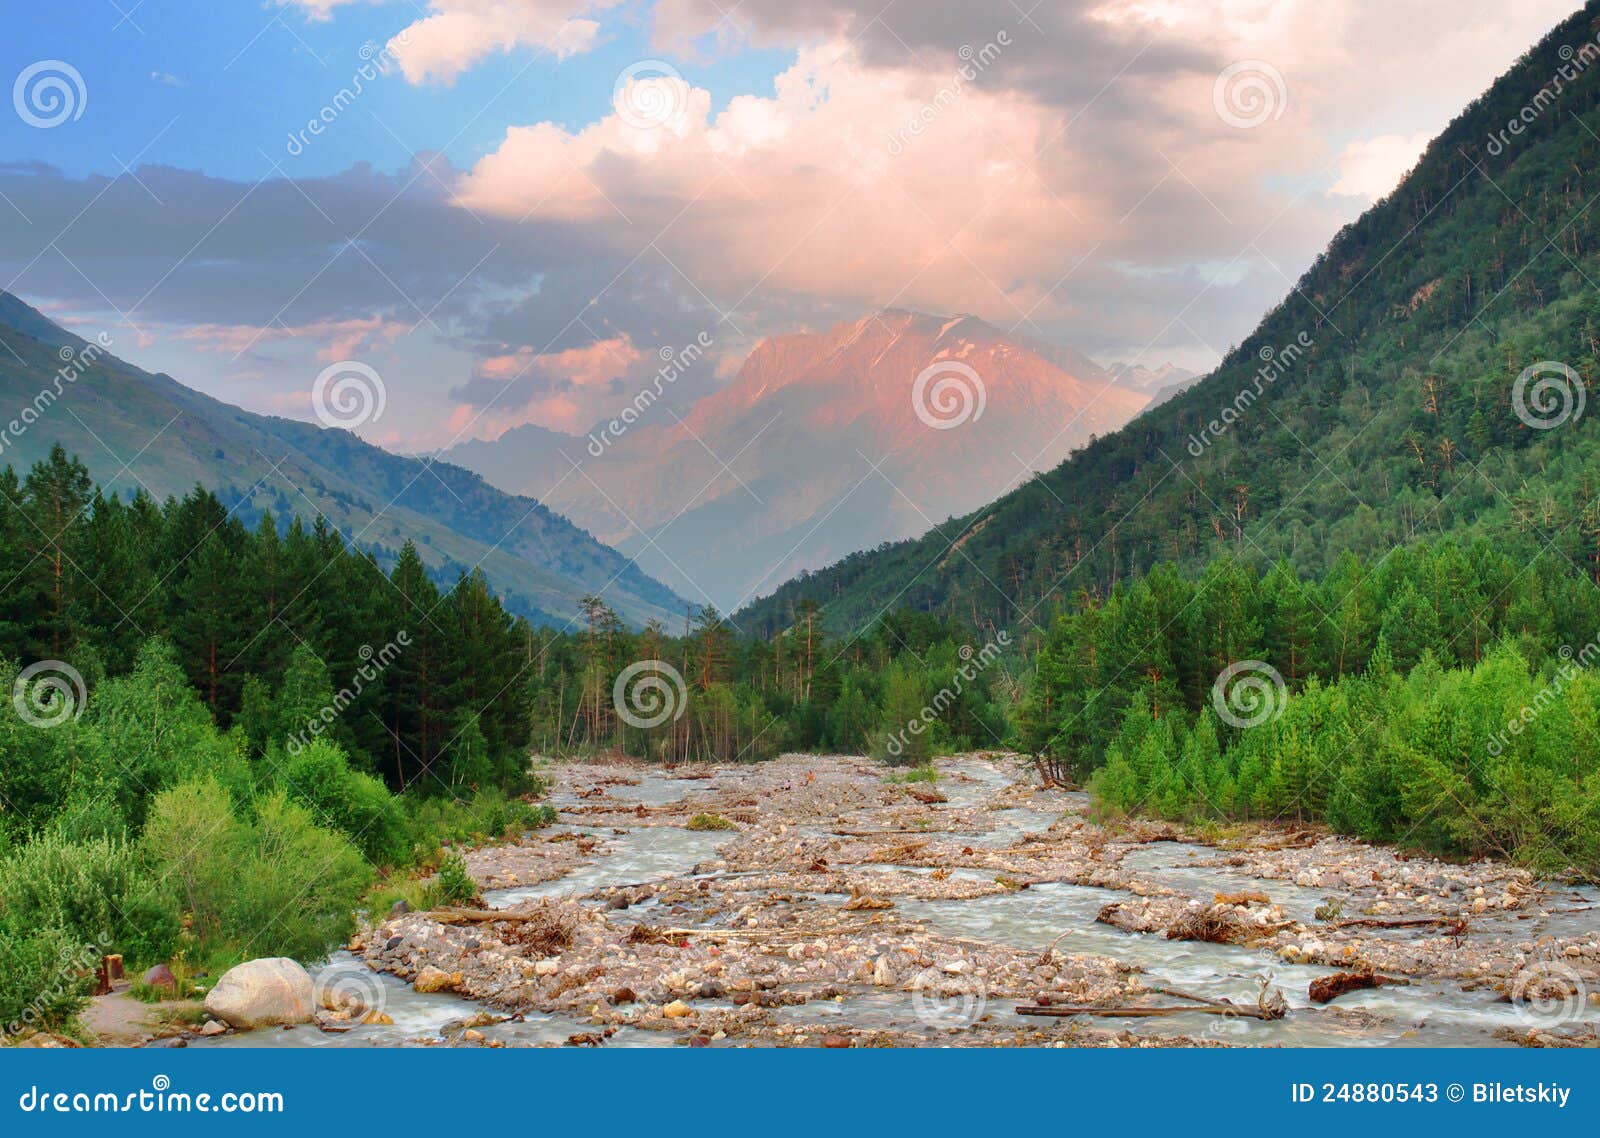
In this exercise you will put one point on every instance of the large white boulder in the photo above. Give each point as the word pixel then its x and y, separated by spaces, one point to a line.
pixel 262 993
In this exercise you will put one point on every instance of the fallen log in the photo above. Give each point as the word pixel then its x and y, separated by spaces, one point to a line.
pixel 457 916
pixel 882 833
pixel 1459 924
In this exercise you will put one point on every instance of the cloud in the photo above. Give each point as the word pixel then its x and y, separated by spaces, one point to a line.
pixel 861 186
pixel 456 34
pixel 340 339
pixel 318 10
pixel 567 390
pixel 1370 168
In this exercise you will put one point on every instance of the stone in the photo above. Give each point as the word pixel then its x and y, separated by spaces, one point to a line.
pixel 677 1009
pixel 212 1027
pixel 623 996
pixel 472 1035
pixel 432 979
pixel 882 973
pixel 400 908
pixel 161 977
pixel 546 968
pixel 260 993
pixel 378 1018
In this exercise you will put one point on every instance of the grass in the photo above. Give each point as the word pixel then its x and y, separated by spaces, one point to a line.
pixel 702 822
pixel 924 773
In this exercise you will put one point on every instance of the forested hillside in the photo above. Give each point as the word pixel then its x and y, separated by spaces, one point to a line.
pixel 1377 405
pixel 137 431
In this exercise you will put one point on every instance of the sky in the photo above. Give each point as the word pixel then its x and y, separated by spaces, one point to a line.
pixel 510 212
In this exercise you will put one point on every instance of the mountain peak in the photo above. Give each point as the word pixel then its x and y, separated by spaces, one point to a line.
pixel 827 449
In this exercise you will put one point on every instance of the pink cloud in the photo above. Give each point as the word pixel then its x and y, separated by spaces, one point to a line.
pixel 456 34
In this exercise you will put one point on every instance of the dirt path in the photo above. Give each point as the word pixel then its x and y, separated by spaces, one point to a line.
pixel 119 1020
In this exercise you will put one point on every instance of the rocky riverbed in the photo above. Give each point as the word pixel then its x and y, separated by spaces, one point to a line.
pixel 815 902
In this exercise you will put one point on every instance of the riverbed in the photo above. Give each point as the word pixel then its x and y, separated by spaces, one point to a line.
pixel 842 907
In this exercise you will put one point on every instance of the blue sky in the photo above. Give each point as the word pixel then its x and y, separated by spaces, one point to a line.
pixel 240 77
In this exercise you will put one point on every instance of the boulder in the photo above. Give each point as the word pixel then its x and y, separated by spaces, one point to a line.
pixel 260 993
pixel 161 977
pixel 432 979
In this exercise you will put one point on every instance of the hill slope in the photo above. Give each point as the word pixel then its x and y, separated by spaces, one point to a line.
pixel 826 451
pixel 134 429
pixel 1377 404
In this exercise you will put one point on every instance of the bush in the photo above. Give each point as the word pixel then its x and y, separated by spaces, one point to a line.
pixel 357 805
pixel 486 816
pixel 95 892
pixel 274 886
pixel 298 894
pixel 44 978
pixel 453 885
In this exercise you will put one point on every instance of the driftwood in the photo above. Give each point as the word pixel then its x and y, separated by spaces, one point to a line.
pixel 1457 925
pixel 1267 1007
pixel 453 915
pixel 1326 988
pixel 881 833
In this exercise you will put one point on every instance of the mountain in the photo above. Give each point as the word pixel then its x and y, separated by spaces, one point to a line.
pixel 137 430
pixel 1159 383
pixel 1425 377
pixel 819 447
